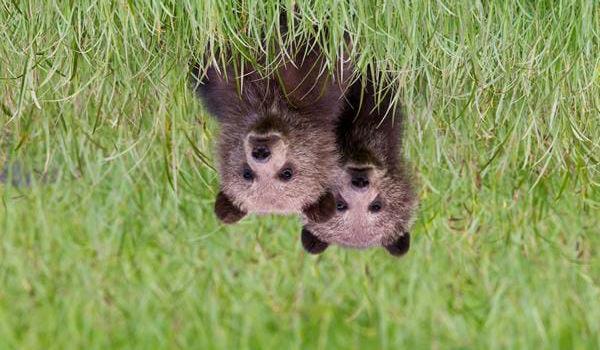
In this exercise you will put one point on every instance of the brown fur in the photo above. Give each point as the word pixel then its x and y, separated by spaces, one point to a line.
pixel 293 115
pixel 369 144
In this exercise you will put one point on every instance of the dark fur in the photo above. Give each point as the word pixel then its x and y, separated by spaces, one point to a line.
pixel 298 106
pixel 312 243
pixel 368 138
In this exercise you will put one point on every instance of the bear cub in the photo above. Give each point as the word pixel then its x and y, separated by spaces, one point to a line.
pixel 276 144
pixel 374 196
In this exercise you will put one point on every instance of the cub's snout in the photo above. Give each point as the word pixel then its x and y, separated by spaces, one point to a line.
pixel 265 151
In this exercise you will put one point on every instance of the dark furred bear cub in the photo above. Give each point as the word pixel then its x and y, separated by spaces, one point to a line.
pixel 374 196
pixel 276 148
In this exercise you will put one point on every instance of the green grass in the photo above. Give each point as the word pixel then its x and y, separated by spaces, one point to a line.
pixel 117 246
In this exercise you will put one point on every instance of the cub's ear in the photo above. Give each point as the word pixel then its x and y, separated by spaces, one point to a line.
pixel 312 243
pixel 400 245
pixel 322 210
pixel 226 210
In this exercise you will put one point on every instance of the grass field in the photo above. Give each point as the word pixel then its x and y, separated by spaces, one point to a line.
pixel 107 236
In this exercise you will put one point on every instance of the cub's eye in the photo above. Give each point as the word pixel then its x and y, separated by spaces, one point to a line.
pixel 375 207
pixel 286 174
pixel 247 174
pixel 341 206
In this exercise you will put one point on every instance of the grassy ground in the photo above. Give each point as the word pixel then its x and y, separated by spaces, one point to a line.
pixel 107 237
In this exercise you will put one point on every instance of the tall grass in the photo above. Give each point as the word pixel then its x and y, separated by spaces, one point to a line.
pixel 114 243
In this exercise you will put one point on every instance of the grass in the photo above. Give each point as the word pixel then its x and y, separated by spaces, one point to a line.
pixel 113 244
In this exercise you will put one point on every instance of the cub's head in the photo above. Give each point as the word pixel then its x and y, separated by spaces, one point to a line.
pixel 374 207
pixel 276 169
pixel 276 148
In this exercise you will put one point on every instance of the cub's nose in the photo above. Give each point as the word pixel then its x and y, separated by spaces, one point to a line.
pixel 261 153
pixel 360 181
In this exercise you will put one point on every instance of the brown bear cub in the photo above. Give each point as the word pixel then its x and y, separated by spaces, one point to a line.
pixel 276 148
pixel 375 201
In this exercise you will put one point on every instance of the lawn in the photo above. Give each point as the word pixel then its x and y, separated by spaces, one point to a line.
pixel 107 234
